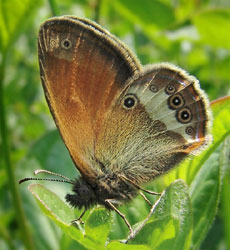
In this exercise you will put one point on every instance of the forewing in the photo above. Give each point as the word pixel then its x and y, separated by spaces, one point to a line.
pixel 82 68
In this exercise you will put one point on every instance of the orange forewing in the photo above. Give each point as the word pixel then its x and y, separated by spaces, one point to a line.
pixel 82 82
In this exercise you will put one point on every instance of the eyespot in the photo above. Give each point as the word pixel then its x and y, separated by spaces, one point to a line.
pixel 129 102
pixel 153 88
pixel 170 89
pixel 176 101
pixel 189 130
pixel 66 44
pixel 184 115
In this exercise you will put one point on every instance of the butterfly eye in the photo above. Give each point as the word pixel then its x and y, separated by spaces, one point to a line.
pixel 184 115
pixel 129 102
pixel 176 101
pixel 66 44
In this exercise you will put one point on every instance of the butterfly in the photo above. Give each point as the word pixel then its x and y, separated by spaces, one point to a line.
pixel 123 124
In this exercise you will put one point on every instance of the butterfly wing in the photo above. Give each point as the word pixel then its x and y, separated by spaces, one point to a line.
pixel 161 118
pixel 83 68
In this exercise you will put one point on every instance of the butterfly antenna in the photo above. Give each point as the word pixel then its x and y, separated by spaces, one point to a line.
pixel 40 171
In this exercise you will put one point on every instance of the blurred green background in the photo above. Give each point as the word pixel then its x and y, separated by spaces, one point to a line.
pixel 192 34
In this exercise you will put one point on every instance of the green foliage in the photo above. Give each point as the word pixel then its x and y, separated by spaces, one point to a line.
pixel 192 34
pixel 171 220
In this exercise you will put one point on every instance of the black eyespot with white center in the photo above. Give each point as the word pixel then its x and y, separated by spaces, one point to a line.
pixel 66 44
pixel 170 89
pixel 129 101
pixel 176 101
pixel 184 115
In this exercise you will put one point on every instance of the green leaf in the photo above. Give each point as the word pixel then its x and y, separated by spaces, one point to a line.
pixel 170 224
pixel 97 225
pixel 206 181
pixel 205 192
pixel 225 204
pixel 61 214
pixel 213 26
pixel 51 205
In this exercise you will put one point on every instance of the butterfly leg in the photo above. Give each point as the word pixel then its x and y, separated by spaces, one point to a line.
pixel 145 221
pixel 110 203
pixel 145 198
pixel 137 186
pixel 79 218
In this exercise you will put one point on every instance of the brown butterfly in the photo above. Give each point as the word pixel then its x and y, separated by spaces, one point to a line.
pixel 124 124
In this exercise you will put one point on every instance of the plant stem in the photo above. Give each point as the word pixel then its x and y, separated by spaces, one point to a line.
pixel 97 11
pixel 5 235
pixel 13 185
pixel 54 8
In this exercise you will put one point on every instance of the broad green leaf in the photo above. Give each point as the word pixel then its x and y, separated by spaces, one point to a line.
pixel 225 204
pixel 206 184
pixel 170 224
pixel 61 214
pixel 97 225
pixel 213 26
pixel 51 205
pixel 205 192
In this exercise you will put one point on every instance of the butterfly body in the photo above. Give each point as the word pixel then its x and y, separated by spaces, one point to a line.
pixel 106 187
pixel 123 124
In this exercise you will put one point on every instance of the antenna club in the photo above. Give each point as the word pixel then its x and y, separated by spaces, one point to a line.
pixel 23 180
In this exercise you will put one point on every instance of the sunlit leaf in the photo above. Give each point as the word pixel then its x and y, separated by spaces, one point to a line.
pixel 170 225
